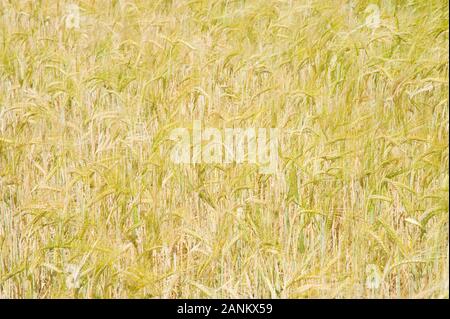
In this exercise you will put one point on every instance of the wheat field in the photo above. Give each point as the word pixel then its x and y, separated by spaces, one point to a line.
pixel 91 206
